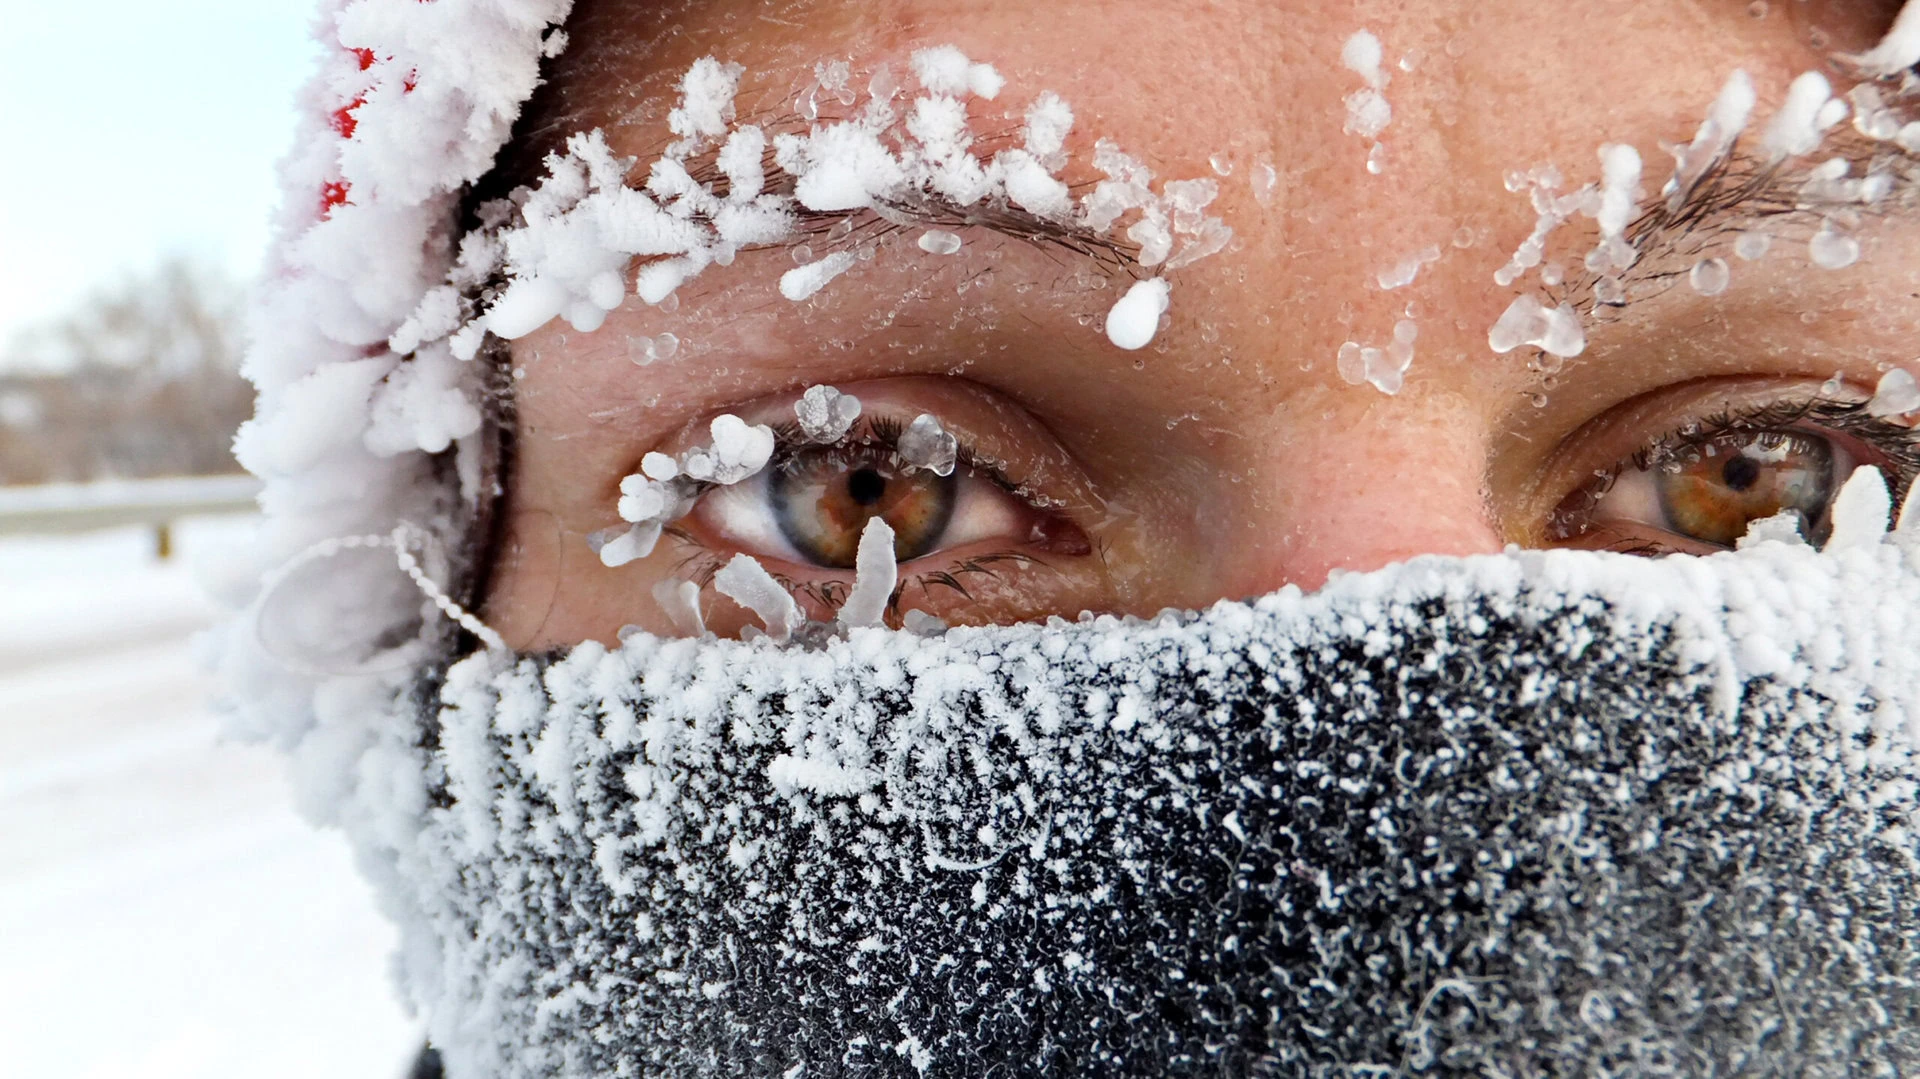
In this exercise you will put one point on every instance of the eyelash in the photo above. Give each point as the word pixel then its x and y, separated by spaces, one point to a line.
pixel 1898 445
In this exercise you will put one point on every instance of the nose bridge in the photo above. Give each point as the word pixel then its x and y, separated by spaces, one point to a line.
pixel 1360 486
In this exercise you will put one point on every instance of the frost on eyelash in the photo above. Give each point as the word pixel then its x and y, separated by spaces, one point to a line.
pixel 926 444
pixel 825 414
pixel 665 488
pixel 1897 394
pixel 1797 128
pixel 561 247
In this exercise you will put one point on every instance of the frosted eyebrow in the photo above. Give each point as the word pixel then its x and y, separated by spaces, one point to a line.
pixel 1742 195
pixel 935 212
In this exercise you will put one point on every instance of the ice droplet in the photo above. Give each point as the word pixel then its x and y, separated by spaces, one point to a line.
pixel 1526 322
pixel 1377 159
pixel 1609 291
pixel 1222 164
pixel 1752 245
pixel 1833 250
pixel 665 345
pixel 926 444
pixel 1264 179
pixel 1896 395
pixel 1709 277
pixel 1135 317
pixel 641 351
pixel 939 242
pixel 1351 365
pixel 1463 237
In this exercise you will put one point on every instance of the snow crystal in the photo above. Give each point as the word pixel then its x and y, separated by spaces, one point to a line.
pixel 926 444
pixel 1897 394
pixel 1795 128
pixel 875 575
pixel 1710 277
pixel 942 69
pixel 1361 54
pixel 1049 119
pixel 1860 511
pixel 1030 186
pixel 706 103
pixel 826 414
pixel 1135 317
pixel 1782 527
pixel 802 282
pixel 1556 331
pixel 921 624
pixel 939 242
pixel 746 582
pixel 1368 113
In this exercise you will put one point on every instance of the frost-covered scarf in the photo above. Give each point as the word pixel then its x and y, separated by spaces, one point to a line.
pixel 1530 814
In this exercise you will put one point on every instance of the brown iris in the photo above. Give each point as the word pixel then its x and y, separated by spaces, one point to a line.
pixel 823 502
pixel 1724 485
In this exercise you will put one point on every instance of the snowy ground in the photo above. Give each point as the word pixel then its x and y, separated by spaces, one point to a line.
pixel 163 911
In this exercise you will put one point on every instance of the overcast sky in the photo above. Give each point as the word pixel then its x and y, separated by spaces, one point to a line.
pixel 135 129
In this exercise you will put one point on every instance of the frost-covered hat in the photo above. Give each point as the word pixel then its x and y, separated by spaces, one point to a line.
pixel 1550 811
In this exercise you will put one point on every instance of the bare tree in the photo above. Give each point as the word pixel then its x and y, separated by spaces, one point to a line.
pixel 141 380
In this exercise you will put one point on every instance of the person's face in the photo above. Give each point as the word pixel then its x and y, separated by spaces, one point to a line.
pixel 1230 456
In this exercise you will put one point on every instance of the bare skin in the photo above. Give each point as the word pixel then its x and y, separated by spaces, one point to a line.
pixel 1229 458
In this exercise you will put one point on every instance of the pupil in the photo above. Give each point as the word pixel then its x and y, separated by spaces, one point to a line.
pixel 866 486
pixel 1741 472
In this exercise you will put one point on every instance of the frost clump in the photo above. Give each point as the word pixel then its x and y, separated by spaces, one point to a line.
pixel 1896 395
pixel 746 582
pixel 1796 128
pixel 802 282
pixel 665 488
pixel 1368 112
pixel 875 575
pixel 563 246
pixel 1134 319
pixel 1385 369
pixel 926 444
pixel 826 414
pixel 1556 331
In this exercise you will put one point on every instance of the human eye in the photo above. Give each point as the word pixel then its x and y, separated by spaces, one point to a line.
pixel 1696 487
pixel 983 520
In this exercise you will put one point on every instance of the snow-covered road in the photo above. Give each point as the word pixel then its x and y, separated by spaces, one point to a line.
pixel 163 911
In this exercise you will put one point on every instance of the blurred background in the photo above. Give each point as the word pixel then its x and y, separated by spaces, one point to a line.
pixel 164 912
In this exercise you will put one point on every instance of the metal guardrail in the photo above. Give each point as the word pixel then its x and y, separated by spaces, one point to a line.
pixel 83 507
